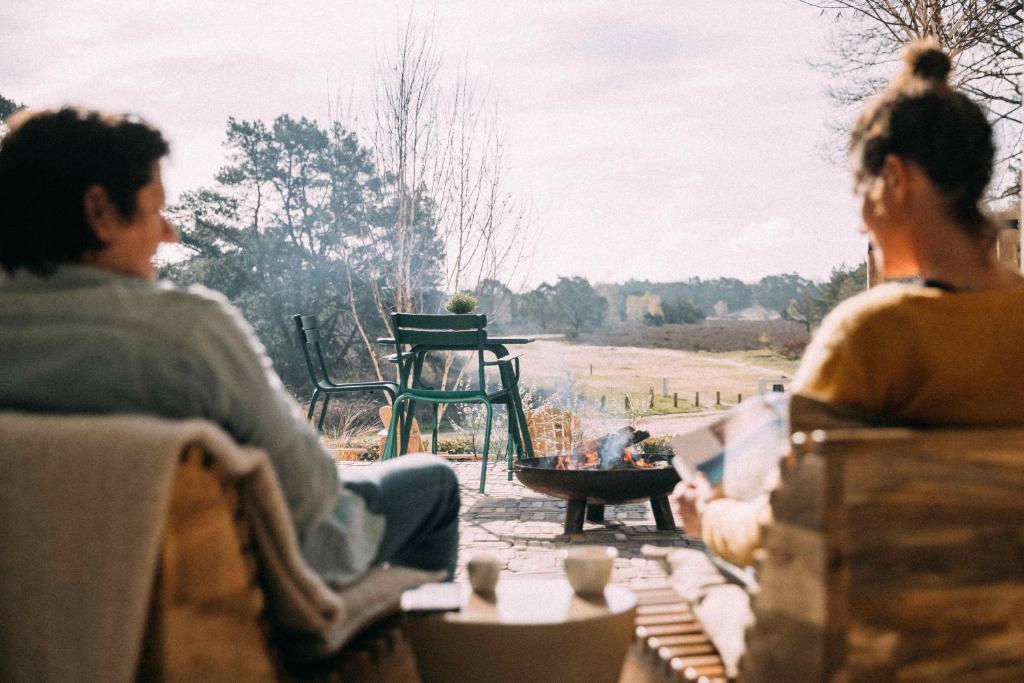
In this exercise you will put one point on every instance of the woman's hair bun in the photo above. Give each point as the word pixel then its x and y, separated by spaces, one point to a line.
pixel 925 59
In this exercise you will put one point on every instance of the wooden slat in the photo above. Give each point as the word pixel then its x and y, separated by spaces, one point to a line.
pixel 667 618
pixel 657 642
pixel 677 629
pixel 703 648
pixel 665 608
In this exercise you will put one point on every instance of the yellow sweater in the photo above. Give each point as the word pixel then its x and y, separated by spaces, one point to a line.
pixel 918 355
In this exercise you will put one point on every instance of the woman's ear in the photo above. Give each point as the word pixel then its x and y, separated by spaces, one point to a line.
pixel 896 176
pixel 102 215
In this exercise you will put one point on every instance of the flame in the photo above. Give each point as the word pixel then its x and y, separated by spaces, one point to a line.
pixel 627 457
pixel 591 460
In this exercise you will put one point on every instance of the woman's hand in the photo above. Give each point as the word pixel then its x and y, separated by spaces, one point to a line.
pixel 691 497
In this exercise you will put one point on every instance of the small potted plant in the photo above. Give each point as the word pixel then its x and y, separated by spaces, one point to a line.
pixel 461 302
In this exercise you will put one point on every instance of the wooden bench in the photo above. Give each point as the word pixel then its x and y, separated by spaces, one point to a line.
pixel 895 555
pixel 671 645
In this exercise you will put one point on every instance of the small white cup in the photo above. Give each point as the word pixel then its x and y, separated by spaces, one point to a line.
pixel 484 570
pixel 589 567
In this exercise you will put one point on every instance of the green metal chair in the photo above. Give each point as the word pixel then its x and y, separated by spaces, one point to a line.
pixel 308 329
pixel 418 334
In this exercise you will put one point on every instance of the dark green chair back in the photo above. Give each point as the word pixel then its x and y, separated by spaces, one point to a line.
pixel 308 329
pixel 463 332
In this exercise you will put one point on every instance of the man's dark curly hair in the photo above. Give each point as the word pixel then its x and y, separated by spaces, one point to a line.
pixel 48 159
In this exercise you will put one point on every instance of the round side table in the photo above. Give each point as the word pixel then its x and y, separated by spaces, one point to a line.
pixel 530 630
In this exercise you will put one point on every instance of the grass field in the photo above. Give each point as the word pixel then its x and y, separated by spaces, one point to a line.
pixel 614 371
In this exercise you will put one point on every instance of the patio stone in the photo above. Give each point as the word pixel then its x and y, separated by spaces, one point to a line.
pixel 524 529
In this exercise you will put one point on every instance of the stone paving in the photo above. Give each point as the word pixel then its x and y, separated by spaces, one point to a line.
pixel 524 529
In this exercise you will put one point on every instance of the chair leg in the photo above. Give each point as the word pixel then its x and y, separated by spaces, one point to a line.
pixel 406 430
pixel 524 431
pixel 509 446
pixel 487 445
pixel 312 405
pixel 433 433
pixel 323 413
pixel 390 441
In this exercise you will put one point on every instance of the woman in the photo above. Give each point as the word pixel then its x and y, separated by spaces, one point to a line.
pixel 85 328
pixel 941 350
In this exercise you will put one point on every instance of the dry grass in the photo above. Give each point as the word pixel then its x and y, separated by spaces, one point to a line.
pixel 618 370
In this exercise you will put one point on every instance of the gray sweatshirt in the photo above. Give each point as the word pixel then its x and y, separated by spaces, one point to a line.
pixel 84 340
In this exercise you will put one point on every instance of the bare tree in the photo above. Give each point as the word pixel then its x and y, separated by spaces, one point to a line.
pixel 441 153
pixel 485 229
pixel 982 38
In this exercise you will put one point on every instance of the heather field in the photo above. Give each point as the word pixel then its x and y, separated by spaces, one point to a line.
pixel 786 337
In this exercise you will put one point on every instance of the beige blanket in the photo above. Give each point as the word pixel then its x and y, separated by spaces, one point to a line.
pixel 82 504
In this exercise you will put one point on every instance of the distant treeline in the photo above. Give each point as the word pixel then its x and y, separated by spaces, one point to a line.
pixel 573 305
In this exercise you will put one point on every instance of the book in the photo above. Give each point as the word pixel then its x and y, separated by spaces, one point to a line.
pixel 738 452
pixel 700 450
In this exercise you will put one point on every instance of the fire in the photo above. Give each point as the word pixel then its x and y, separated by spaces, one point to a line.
pixel 591 460
pixel 579 461
pixel 618 450
pixel 627 457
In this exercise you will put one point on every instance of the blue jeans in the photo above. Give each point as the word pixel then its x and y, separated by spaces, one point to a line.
pixel 418 495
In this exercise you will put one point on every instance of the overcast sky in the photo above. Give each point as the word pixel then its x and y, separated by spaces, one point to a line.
pixel 657 140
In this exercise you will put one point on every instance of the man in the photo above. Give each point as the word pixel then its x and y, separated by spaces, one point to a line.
pixel 86 328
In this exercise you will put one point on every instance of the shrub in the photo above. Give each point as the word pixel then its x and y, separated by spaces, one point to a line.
pixel 654 319
pixel 657 445
pixel 461 302
pixel 456 444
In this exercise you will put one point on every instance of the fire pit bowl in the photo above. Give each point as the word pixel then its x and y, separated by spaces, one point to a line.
pixel 596 488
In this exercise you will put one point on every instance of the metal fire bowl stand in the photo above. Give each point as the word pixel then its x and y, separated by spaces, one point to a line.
pixel 588 491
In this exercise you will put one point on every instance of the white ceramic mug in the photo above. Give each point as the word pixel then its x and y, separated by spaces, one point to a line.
pixel 589 567
pixel 484 570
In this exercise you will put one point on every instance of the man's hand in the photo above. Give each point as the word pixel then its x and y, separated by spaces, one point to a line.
pixel 691 497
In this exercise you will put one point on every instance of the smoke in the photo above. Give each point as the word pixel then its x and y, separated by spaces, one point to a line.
pixel 612 446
